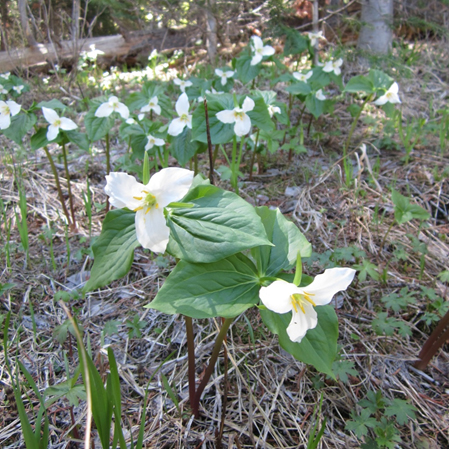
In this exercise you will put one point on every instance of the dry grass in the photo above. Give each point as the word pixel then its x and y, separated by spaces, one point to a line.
pixel 271 397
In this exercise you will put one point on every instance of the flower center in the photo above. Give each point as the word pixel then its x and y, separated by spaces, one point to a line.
pixel 148 201
pixel 184 118
pixel 239 114
pixel 299 299
pixel 57 123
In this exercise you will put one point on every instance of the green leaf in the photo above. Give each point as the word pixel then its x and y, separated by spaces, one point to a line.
pixel 342 368
pixel 39 139
pixel 367 268
pixel 299 88
pixel 259 115
pixel 379 79
pixel 97 127
pixel 20 125
pixel 51 104
pixel 314 106
pixel 182 147
pixel 318 348
pixel 5 287
pixel 225 288
pixel 360 423
pixel 359 84
pixel 402 410
pixel 219 224
pixel 287 239
pixel 113 250
pixel 245 71
pixel 295 42
pixel 404 211
pixel 79 139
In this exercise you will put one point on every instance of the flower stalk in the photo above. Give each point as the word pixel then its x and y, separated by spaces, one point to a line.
pixel 69 188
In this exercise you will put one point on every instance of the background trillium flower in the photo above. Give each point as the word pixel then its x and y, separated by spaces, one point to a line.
pixel 314 36
pixel 7 110
pixel 148 201
pixel 302 76
pixel 113 105
pixel 57 123
pixel 390 96
pixel 182 84
pixel 238 116
pixel 333 66
pixel 152 106
pixel 18 89
pixel 273 110
pixel 259 50
pixel 177 125
pixel 319 94
pixel 152 141
pixel 224 75
pixel 3 90
pixel 283 297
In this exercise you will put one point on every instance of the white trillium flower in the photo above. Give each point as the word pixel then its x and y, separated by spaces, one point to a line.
pixel 113 105
pixel 283 297
pixel 148 201
pixel 390 96
pixel 302 76
pixel 57 123
pixel 18 89
pixel 319 95
pixel 314 36
pixel 152 106
pixel 224 75
pixel 5 75
pixel 182 84
pixel 259 50
pixel 3 90
pixel 153 141
pixel 273 110
pixel 177 125
pixel 333 66
pixel 7 110
pixel 238 116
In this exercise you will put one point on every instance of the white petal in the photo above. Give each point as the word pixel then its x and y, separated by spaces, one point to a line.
pixel 218 72
pixel 146 108
pixel 242 126
pixel 326 285
pixel 302 322
pixel 170 184
pixel 157 109
pixel 224 80
pixel 104 110
pixel 394 98
pixel 52 132
pixel 189 121
pixel 256 59
pixel 177 81
pixel 277 296
pixel 337 70
pixel 67 124
pixel 14 108
pixel 229 74
pixel 381 100
pixel 182 105
pixel 226 116
pixel 113 100
pixel 248 104
pixel 123 110
pixel 50 115
pixel 257 43
pixel 176 127
pixel 188 83
pixel 394 88
pixel 5 121
pixel 159 142
pixel 121 188
pixel 268 50
pixel 328 67
pixel 152 230
pixel 140 116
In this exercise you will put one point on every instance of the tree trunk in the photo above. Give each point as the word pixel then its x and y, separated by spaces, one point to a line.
pixel 211 42
pixel 5 25
pixel 22 5
pixel 376 34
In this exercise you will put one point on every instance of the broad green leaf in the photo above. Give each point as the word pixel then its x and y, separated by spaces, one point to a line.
pixel 405 211
pixel 287 239
pixel 318 348
pixel 259 115
pixel 79 139
pixel 295 42
pixel 245 71
pixel 51 104
pixel 314 106
pixel 138 143
pixel 114 249
pixel 225 288
pixel 97 127
pixel 219 224
pixel 182 147
pixel 380 79
pixel 39 139
pixel 359 84
pixel 20 125
pixel 299 88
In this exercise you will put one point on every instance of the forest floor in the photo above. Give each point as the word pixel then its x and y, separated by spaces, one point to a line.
pixel 385 317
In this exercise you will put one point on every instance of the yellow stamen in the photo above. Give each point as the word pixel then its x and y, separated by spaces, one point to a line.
pixel 298 301
pixel 138 198
pixel 138 208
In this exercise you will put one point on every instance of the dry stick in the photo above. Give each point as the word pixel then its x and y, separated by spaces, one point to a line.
pixel 67 174
pixel 433 343
pixel 58 185
pixel 210 368
pixel 209 145
pixel 191 358
pixel 225 392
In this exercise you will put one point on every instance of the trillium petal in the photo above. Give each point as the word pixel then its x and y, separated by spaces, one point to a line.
pixel 170 184
pixel 104 110
pixel 328 67
pixel 277 296
pixel 67 124
pixel 248 104
pixel 50 115
pixel 123 110
pixel 122 188
pixel 52 132
pixel 229 74
pixel 257 42
pixel 182 105
pixel 224 80
pixel 177 81
pixel 394 88
pixel 14 108
pixel 189 121
pixel 157 109
pixel 326 285
pixel 146 108
pixel 256 59
pixel 302 322
pixel 268 50
pixel 5 121
pixel 159 142
pixel 176 127
pixel 218 72
pixel 381 100
pixel 226 116
pixel 242 126
pixel 152 230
